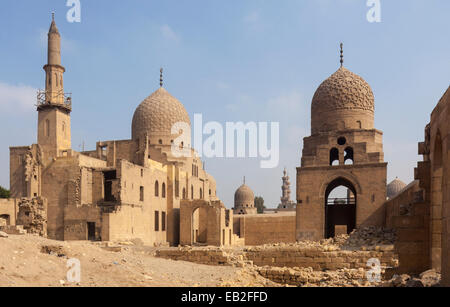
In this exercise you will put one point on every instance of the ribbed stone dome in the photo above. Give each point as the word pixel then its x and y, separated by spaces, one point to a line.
pixel 395 187
pixel 343 101
pixel 244 195
pixel 156 115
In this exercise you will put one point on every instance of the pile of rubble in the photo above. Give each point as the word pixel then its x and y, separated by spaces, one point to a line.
pixel 365 239
pixel 430 278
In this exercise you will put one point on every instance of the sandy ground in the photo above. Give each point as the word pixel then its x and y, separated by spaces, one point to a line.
pixel 22 263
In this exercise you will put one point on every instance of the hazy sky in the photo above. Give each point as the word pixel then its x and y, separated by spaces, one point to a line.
pixel 247 60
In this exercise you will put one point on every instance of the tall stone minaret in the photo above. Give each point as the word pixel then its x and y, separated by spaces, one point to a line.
pixel 53 105
pixel 286 189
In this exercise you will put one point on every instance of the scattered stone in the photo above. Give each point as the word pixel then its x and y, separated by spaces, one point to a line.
pixel 53 250
pixel 3 234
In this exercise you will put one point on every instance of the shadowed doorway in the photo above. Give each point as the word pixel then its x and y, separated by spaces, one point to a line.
pixel 340 208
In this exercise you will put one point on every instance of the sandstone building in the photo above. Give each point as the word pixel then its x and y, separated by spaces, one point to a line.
pixel 125 189
pixel 344 149
pixel 420 212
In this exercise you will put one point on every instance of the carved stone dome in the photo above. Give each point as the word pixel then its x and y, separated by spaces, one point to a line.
pixel 244 196
pixel 156 115
pixel 343 101
pixel 395 187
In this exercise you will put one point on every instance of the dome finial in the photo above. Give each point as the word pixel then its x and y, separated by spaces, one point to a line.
pixel 342 54
pixel 161 77
pixel 53 16
pixel 244 179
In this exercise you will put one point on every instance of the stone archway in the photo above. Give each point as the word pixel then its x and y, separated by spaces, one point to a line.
pixel 340 213
pixel 199 225
pixel 436 203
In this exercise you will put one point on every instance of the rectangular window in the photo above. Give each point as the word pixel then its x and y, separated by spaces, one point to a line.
pixel 177 188
pixel 163 221
pixel 156 220
pixel 141 192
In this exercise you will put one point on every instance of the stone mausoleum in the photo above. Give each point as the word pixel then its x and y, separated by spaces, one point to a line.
pixel 122 190
pixel 344 150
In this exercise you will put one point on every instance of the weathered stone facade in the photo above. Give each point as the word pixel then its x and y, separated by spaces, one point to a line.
pixel 206 223
pixel 32 215
pixel 343 150
pixel 122 190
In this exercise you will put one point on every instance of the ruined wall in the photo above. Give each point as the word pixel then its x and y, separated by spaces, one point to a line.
pixel 266 228
pixel 292 256
pixel 408 214
pixel 438 136
pixel 285 256
pixel 32 215
pixel 138 204
pixel 214 221
pixel 25 171
pixel 369 181
pixel 76 219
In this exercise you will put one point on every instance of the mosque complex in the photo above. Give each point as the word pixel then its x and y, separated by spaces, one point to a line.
pixel 137 189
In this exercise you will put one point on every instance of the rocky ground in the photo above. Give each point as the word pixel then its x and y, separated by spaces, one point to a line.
pixel 29 260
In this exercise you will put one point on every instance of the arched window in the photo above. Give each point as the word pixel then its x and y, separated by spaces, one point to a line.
pixel 184 193
pixel 201 193
pixel 160 142
pixel 192 192
pixel 348 157
pixel 334 156
pixel 64 129
pixel 47 127
pixel 156 188
pixel 163 190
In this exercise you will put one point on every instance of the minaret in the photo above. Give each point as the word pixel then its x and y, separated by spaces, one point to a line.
pixel 53 105
pixel 286 189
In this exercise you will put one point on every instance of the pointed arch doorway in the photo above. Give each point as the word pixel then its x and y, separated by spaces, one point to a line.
pixel 340 207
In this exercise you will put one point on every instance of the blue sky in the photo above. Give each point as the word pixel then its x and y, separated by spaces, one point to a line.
pixel 248 60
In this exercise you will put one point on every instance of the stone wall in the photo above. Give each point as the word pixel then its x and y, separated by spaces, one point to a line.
pixel 408 214
pixel 8 211
pixel 285 256
pixel 292 256
pixel 436 150
pixel 265 228
pixel 207 256
pixel 206 222
pixel 32 215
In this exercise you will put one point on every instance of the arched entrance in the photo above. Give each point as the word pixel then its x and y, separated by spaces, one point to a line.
pixel 340 207
pixel 199 224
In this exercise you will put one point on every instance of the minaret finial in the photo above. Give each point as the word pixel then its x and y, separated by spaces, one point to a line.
pixel 342 54
pixel 244 179
pixel 161 77
pixel 53 16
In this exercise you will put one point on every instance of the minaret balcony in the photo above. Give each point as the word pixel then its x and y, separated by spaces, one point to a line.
pixel 46 99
